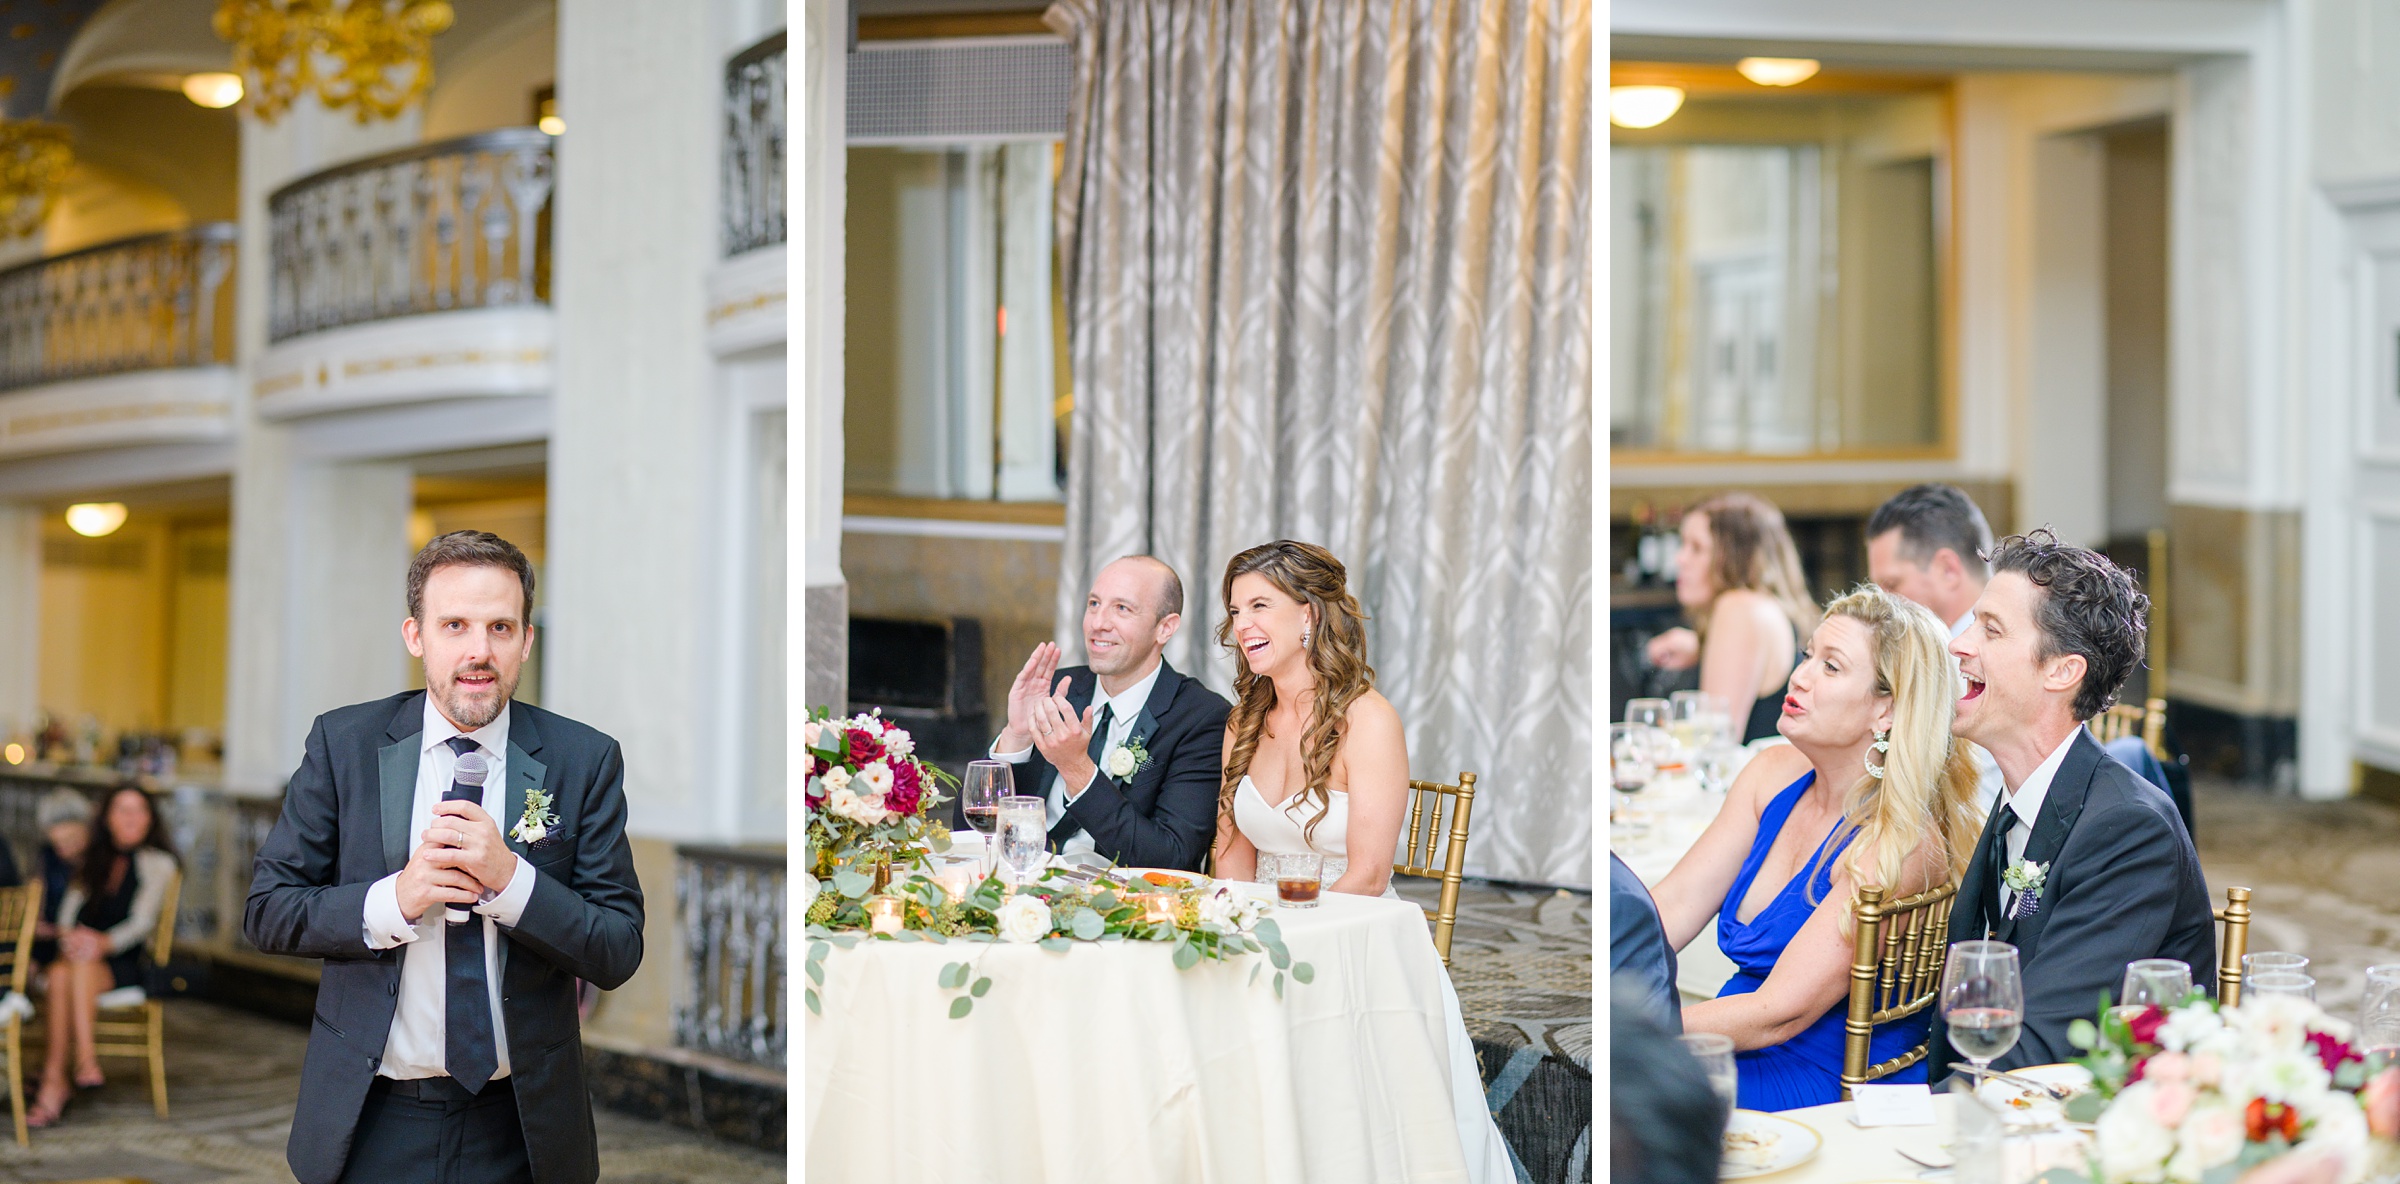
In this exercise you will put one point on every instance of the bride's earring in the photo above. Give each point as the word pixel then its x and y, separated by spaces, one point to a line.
pixel 1883 744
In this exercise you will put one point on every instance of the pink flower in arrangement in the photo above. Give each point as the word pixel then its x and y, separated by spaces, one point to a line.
pixel 865 748
pixel 2170 1103
pixel 2332 1051
pixel 2168 1069
pixel 908 788
pixel 2381 1100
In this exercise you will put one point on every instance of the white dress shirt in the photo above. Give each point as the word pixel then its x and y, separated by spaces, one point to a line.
pixel 1988 781
pixel 2026 802
pixel 419 1035
pixel 1123 708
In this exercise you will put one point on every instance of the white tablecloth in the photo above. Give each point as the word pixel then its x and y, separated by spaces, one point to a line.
pixel 1851 1155
pixel 1104 1063
pixel 1669 817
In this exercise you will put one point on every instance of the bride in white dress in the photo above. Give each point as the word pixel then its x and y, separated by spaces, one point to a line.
pixel 1316 760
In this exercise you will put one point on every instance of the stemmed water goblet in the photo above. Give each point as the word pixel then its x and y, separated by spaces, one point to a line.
pixel 1983 1000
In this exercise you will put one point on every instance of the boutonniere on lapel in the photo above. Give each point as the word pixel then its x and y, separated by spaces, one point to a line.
pixel 2027 879
pixel 535 825
pixel 1126 759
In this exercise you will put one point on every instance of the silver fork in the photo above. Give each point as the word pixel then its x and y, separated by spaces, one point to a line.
pixel 2057 1092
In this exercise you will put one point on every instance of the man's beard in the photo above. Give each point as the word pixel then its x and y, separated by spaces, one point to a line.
pixel 468 714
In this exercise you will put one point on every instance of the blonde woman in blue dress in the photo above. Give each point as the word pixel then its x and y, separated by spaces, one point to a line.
pixel 1316 761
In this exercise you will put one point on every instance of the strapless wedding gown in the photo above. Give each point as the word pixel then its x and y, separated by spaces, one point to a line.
pixel 1283 830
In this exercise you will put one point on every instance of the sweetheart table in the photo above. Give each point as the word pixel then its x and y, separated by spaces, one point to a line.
pixel 1104 1063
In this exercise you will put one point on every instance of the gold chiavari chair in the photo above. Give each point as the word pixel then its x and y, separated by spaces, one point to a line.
pixel 20 909
pixel 1897 973
pixel 2149 721
pixel 135 1025
pixel 2232 945
pixel 1426 838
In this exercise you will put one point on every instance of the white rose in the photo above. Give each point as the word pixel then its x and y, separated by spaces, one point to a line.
pixel 898 743
pixel 808 891
pixel 2212 1132
pixel 875 779
pixel 2133 1148
pixel 809 734
pixel 1120 762
pixel 862 810
pixel 1024 918
pixel 531 832
pixel 2186 1027
pixel 835 779
pixel 1219 908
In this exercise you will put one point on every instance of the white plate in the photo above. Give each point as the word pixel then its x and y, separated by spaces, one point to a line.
pixel 1133 876
pixel 1768 1143
pixel 2031 1107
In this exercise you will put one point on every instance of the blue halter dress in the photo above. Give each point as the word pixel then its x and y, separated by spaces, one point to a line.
pixel 1807 1069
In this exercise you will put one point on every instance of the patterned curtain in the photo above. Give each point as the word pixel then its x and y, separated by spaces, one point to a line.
pixel 1325 265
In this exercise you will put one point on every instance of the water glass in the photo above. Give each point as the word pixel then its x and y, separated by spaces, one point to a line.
pixel 1718 764
pixel 1650 713
pixel 1983 1000
pixel 2270 961
pixel 1299 878
pixel 2379 1012
pixel 979 794
pixel 1714 1051
pixel 1024 837
pixel 2279 982
pixel 2155 982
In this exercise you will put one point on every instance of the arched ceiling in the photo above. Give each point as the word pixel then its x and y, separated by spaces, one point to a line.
pixel 34 38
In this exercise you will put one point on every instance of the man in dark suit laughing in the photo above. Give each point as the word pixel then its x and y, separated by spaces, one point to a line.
pixel 457 860
pixel 1127 751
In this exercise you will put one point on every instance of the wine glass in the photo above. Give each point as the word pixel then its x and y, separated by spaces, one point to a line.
pixel 1714 1051
pixel 1718 763
pixel 1632 764
pixel 2379 1013
pixel 1983 1000
pixel 2270 962
pixel 2279 982
pixel 1024 837
pixel 1652 713
pixel 979 795
pixel 2154 982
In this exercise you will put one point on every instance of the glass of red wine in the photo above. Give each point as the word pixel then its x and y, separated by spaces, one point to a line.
pixel 979 795
pixel 1983 1000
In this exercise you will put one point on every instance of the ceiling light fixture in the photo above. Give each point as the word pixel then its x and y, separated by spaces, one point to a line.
pixel 1643 106
pixel 213 91
pixel 95 519
pixel 1777 71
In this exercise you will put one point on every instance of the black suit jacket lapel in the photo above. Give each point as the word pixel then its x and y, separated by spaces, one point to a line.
pixel 1971 918
pixel 396 777
pixel 2061 806
pixel 1161 700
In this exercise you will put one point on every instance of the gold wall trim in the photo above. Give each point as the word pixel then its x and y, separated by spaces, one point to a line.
pixel 456 357
pixel 966 24
pixel 55 421
pixel 278 383
pixel 735 308
pixel 942 509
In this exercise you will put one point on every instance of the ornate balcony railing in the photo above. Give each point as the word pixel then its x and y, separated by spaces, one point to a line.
pixel 732 900
pixel 156 302
pixel 754 147
pixel 453 225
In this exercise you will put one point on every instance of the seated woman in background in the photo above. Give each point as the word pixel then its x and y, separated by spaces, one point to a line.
pixel 104 925
pixel 66 821
pixel 1738 578
pixel 1805 825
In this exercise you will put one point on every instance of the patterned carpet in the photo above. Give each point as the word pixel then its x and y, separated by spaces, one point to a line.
pixel 231 1080
pixel 1521 960
pixel 2322 878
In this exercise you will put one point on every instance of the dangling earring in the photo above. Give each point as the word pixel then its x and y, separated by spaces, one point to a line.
pixel 1304 637
pixel 1883 744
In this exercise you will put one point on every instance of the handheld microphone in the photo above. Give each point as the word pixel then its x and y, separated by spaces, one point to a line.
pixel 466 785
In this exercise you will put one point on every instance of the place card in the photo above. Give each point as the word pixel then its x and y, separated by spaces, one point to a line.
pixel 1892 1105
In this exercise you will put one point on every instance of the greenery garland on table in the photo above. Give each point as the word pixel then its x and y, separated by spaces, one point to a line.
pixel 1205 924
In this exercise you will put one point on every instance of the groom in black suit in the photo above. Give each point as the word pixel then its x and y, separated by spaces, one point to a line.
pixel 2083 866
pixel 1128 752
pixel 453 909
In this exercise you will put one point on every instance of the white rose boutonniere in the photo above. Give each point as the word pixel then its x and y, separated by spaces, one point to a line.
pixel 2026 879
pixel 1126 759
pixel 537 821
pixel 1023 919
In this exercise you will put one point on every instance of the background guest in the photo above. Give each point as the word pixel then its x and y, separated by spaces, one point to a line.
pixel 1928 544
pixel 105 924
pixel 1738 578
pixel 1665 1125
pixel 65 818
pixel 1638 953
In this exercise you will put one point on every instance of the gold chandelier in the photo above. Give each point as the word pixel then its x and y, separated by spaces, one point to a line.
pixel 34 159
pixel 373 56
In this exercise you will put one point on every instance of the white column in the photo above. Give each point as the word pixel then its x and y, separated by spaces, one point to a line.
pixel 320 550
pixel 637 437
pixel 818 276
pixel 20 617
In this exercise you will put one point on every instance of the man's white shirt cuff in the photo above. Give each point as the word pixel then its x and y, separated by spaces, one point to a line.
pixel 507 907
pixel 384 924
pixel 1015 758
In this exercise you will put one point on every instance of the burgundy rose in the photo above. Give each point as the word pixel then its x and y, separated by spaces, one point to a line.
pixel 2332 1052
pixel 907 790
pixel 2144 1027
pixel 865 748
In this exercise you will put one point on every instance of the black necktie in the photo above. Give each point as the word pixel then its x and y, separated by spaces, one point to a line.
pixel 467 1017
pixel 1067 826
pixel 2000 833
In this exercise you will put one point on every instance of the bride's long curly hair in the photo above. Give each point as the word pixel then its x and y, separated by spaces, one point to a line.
pixel 1337 657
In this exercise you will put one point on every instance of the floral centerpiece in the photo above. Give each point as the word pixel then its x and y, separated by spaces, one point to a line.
pixel 870 800
pixel 2201 1095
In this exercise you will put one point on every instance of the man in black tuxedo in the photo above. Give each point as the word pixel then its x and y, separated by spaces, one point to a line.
pixel 447 1045
pixel 1129 753
pixel 2054 636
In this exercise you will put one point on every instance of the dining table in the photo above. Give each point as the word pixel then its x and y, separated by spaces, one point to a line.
pixel 1104 1062
pixel 1651 832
